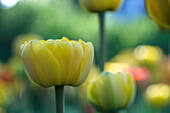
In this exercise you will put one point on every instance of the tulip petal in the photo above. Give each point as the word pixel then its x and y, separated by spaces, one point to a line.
pixel 36 58
pixel 125 88
pixel 77 58
pixel 101 5
pixel 64 54
pixel 131 89
pixel 28 65
pixel 117 86
pixel 159 11
pixel 116 5
pixel 86 64
pixel 106 94
pixel 93 96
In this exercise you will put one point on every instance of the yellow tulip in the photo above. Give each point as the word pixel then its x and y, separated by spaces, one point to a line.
pixel 150 57
pixel 158 95
pixel 115 67
pixel 111 92
pixel 57 62
pixel 101 5
pixel 147 53
pixel 159 10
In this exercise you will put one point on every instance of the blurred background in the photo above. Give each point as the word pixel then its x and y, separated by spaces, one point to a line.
pixel 134 44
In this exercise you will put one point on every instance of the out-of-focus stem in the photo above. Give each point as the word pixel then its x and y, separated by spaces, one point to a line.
pixel 169 43
pixel 59 94
pixel 169 51
pixel 102 50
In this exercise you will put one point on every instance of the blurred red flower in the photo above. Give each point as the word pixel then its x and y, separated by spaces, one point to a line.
pixel 140 74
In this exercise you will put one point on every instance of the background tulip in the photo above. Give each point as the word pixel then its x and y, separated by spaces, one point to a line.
pixel 10 89
pixel 115 67
pixel 101 5
pixel 158 95
pixel 159 10
pixel 148 54
pixel 111 92
pixel 140 74
pixel 57 62
pixel 150 57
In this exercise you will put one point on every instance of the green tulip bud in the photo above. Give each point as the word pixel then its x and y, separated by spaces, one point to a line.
pixel 112 92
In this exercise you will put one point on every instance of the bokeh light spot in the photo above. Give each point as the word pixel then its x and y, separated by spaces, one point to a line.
pixel 141 52
pixel 9 3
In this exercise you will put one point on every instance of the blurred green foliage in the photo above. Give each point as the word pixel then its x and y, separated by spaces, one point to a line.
pixel 57 18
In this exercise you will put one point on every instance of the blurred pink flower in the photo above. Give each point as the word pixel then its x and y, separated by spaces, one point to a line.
pixel 140 74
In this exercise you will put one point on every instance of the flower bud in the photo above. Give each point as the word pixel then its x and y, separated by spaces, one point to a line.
pixel 57 62
pixel 111 92
pixel 101 5
pixel 159 10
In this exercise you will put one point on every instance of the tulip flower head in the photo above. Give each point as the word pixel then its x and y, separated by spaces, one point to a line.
pixel 111 92
pixel 159 10
pixel 158 95
pixel 101 5
pixel 57 62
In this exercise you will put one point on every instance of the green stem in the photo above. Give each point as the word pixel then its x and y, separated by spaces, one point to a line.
pixel 169 51
pixel 102 41
pixel 59 94
pixel 169 43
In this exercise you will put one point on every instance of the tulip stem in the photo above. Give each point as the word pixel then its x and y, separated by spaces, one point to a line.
pixel 59 94
pixel 169 52
pixel 102 41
